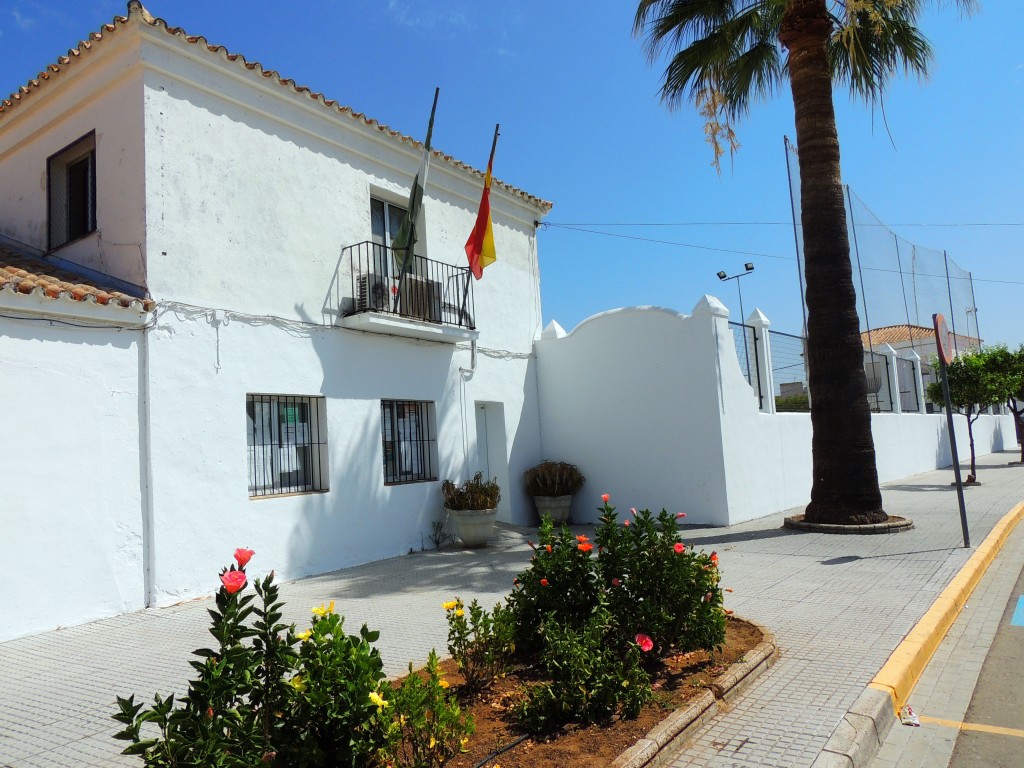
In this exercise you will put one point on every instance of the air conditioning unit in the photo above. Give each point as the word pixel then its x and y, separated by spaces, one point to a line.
pixel 372 293
pixel 421 298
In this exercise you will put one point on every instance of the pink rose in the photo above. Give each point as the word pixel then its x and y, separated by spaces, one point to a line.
pixel 644 641
pixel 680 515
pixel 632 511
pixel 232 581
pixel 679 547
pixel 616 582
pixel 605 497
pixel 626 522
pixel 243 556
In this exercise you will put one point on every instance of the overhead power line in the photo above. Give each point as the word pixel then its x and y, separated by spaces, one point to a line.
pixel 579 228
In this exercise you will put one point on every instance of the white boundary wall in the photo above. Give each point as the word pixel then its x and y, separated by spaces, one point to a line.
pixel 653 407
pixel 71 541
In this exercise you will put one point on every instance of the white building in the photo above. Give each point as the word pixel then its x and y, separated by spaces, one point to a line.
pixel 235 392
pixel 202 346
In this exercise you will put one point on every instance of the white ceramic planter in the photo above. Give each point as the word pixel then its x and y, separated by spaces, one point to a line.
pixel 555 507
pixel 473 526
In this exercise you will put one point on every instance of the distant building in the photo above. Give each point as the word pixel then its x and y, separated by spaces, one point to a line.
pixel 915 337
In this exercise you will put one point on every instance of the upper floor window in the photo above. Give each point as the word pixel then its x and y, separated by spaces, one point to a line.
pixel 287 441
pixel 71 181
pixel 385 219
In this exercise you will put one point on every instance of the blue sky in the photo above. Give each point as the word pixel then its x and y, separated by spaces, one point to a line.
pixel 582 126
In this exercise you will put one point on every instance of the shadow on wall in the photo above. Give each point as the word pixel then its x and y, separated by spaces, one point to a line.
pixel 360 519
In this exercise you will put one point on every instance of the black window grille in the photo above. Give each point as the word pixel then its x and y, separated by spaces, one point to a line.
pixel 287 444
pixel 71 191
pixel 409 440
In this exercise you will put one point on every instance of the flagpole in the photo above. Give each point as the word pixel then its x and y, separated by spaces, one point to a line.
pixel 414 205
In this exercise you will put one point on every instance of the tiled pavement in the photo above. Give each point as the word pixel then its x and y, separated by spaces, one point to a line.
pixel 837 604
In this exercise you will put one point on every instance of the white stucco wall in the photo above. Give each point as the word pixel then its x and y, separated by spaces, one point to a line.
pixel 201 374
pixel 72 537
pixel 252 193
pixel 632 397
pixel 660 416
pixel 101 93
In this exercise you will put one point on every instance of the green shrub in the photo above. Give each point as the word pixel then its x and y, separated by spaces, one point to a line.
pixel 658 586
pixel 561 581
pixel 481 643
pixel 430 725
pixel 591 681
pixel 268 696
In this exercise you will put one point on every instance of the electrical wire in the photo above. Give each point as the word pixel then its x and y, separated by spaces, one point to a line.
pixel 763 255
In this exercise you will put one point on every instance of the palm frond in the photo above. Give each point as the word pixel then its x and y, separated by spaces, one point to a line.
pixel 874 42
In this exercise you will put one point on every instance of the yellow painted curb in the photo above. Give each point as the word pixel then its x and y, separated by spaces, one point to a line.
pixel 901 672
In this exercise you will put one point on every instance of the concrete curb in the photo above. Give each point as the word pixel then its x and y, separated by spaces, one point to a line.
pixel 860 734
pixel 657 747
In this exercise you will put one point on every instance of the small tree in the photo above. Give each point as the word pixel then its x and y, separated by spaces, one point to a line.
pixel 1010 366
pixel 975 383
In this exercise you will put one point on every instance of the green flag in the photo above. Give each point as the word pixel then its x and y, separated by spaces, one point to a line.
pixel 405 240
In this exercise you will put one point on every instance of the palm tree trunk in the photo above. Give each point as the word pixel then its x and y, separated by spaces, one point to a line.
pixel 845 480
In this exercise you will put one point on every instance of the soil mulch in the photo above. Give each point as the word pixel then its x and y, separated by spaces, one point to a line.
pixel 676 680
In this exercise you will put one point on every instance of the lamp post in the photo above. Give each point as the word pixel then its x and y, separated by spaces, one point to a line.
pixel 747 269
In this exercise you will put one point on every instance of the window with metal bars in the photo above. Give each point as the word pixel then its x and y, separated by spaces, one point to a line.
pixel 409 439
pixel 71 191
pixel 287 444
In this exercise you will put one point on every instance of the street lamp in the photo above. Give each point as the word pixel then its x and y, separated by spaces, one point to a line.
pixel 748 268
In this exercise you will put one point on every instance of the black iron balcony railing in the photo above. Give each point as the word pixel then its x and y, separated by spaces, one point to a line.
pixel 430 291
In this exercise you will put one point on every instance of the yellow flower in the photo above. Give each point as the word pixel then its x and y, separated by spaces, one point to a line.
pixel 460 612
pixel 450 605
pixel 433 742
pixel 323 610
pixel 464 741
pixel 298 683
pixel 304 635
pixel 377 699
pixel 443 683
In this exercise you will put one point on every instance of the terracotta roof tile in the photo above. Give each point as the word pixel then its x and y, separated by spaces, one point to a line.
pixel 30 274
pixel 136 12
pixel 894 334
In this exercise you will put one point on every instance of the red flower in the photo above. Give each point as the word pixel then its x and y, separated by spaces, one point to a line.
pixel 584 547
pixel 232 581
pixel 243 556
pixel 680 514
pixel 714 559
pixel 644 641
pixel 543 582
pixel 679 547
pixel 616 582
pixel 209 713
pixel 605 497
pixel 548 548
pixel 626 522
pixel 582 538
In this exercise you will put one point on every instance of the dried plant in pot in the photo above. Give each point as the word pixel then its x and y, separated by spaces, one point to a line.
pixel 472 508
pixel 552 485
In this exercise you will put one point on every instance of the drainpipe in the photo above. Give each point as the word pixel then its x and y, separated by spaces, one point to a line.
pixel 146 473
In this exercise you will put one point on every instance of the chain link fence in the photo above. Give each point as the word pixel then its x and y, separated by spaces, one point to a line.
pixel 899 284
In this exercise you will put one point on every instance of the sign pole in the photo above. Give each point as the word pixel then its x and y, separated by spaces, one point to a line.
pixel 942 342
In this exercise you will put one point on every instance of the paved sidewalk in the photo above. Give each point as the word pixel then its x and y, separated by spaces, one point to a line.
pixel 837 604
pixel 949 681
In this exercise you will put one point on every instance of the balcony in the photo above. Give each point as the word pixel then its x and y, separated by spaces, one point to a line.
pixel 433 301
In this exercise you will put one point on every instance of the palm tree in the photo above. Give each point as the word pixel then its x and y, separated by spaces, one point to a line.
pixel 726 53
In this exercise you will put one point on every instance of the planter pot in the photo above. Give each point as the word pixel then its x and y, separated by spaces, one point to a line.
pixel 555 507
pixel 473 526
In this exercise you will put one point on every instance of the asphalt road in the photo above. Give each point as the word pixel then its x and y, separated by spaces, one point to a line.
pixel 993 730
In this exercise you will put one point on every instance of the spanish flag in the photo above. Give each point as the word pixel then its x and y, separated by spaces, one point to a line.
pixel 480 246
